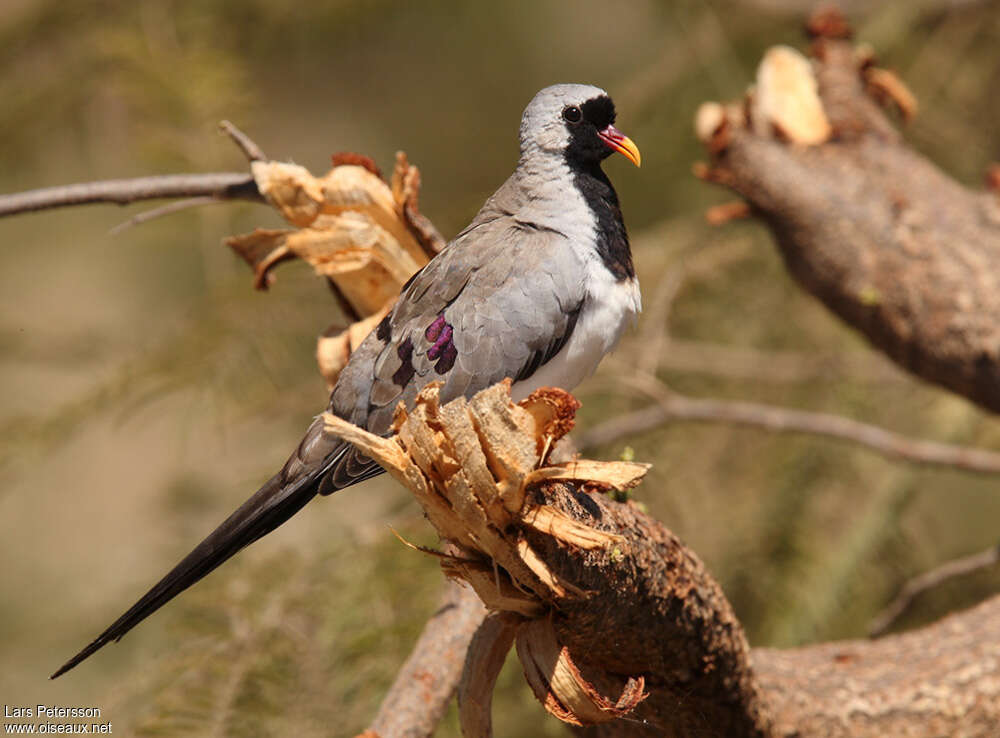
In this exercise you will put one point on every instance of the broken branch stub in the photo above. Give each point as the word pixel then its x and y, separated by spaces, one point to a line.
pixel 367 237
pixel 887 241
pixel 476 467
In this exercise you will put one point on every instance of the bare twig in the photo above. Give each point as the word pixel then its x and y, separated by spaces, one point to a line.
pixel 168 209
pixel 655 332
pixel 929 580
pixel 221 186
pixel 672 406
pixel 201 188
pixel 773 365
pixel 247 145
pixel 415 703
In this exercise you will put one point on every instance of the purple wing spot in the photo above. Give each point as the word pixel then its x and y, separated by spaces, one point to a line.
pixel 441 335
pixel 434 329
pixel 442 342
pixel 448 355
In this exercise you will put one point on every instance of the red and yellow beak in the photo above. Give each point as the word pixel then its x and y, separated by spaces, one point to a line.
pixel 618 141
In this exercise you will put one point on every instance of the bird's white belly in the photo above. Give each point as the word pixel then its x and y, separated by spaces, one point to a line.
pixel 609 308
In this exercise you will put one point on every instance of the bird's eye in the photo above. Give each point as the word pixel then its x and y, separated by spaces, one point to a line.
pixel 572 114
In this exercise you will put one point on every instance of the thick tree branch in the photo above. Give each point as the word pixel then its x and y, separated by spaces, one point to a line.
pixel 659 613
pixel 603 600
pixel 942 680
pixel 887 241
pixel 654 610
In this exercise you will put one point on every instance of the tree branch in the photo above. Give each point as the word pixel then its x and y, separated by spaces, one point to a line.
pixel 676 407
pixel 221 186
pixel 773 365
pixel 247 145
pixel 603 600
pixel 888 242
pixel 201 188
pixel 929 580
pixel 164 210
pixel 424 686
pixel 942 680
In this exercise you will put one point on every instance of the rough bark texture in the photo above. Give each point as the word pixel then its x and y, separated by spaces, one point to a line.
pixel 424 686
pixel 942 680
pixel 602 601
pixel 653 610
pixel 892 245
pixel 657 612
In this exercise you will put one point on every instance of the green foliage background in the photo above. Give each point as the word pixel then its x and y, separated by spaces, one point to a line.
pixel 147 389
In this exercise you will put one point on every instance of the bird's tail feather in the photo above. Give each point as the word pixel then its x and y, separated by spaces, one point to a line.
pixel 269 507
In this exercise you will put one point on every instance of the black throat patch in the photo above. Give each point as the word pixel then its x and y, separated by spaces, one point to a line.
pixel 583 156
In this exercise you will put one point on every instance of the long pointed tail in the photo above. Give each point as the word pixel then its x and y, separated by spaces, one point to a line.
pixel 270 506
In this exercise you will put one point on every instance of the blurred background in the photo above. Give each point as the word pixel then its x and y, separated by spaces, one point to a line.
pixel 148 389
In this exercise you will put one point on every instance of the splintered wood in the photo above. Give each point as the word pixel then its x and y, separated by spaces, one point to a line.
pixel 472 464
pixel 786 104
pixel 786 100
pixel 367 237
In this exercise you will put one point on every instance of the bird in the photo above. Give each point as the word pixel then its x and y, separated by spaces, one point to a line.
pixel 538 288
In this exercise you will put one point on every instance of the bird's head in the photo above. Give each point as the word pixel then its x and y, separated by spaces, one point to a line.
pixel 576 122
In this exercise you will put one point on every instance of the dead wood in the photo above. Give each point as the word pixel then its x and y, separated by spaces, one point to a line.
pixel 620 628
pixel 887 241
pixel 584 583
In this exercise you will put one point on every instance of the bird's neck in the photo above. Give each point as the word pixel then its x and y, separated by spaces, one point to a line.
pixel 579 201
pixel 611 237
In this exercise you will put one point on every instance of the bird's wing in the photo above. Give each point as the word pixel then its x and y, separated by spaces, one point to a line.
pixel 499 302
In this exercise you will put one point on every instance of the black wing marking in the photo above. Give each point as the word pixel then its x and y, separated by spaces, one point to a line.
pixel 538 358
pixel 352 468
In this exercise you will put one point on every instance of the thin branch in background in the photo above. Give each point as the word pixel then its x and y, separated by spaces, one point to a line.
pixel 929 580
pixel 220 186
pixel 247 145
pixel 742 362
pixel 168 209
pixel 201 188
pixel 655 332
pixel 672 406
